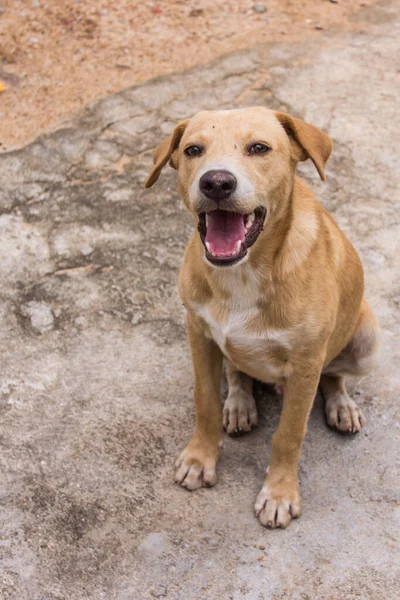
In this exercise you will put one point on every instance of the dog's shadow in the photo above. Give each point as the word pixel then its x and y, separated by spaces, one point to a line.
pixel 269 406
pixel 250 452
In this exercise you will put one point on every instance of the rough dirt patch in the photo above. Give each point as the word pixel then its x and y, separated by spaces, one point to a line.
pixel 56 56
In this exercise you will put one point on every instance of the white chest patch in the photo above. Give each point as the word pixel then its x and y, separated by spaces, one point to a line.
pixel 235 319
pixel 233 327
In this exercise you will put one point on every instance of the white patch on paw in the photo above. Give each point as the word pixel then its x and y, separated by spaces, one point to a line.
pixel 276 510
pixel 193 473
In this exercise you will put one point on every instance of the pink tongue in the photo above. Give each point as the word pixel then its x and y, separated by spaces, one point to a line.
pixel 224 230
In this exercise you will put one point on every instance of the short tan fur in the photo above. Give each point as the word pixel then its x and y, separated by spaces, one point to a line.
pixel 291 312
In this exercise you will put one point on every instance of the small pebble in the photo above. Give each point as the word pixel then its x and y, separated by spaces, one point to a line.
pixel 259 8
pixel 136 319
pixel 159 592
pixel 213 542
pixel 196 12
pixel 39 314
pixel 86 250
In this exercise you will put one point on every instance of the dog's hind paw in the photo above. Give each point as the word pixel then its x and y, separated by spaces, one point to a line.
pixel 343 414
pixel 240 412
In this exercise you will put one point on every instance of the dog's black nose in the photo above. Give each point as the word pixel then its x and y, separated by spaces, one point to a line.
pixel 218 185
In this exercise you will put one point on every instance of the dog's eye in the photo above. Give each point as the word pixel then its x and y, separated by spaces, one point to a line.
pixel 193 151
pixel 258 149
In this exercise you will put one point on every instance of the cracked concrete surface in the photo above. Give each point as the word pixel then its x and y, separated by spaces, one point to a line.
pixel 96 382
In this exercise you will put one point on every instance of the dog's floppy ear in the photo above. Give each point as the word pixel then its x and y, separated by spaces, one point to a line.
pixel 164 153
pixel 308 141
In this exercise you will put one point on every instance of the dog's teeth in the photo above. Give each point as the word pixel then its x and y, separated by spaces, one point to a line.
pixel 250 221
pixel 208 247
pixel 206 219
pixel 237 248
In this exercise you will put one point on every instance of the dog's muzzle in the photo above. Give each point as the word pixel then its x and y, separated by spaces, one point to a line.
pixel 228 235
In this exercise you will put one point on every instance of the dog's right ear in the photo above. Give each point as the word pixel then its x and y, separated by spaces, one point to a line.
pixel 164 153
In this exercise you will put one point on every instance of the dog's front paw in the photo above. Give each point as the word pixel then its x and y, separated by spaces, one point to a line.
pixel 195 468
pixel 277 504
pixel 240 412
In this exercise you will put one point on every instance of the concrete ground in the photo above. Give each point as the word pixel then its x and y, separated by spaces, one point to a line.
pixel 96 381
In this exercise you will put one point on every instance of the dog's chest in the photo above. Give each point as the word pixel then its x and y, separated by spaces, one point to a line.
pixel 227 326
pixel 244 336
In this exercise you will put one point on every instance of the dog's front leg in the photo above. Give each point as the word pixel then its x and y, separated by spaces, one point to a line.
pixel 279 499
pixel 196 464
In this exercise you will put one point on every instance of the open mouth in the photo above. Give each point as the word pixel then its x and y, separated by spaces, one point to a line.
pixel 227 235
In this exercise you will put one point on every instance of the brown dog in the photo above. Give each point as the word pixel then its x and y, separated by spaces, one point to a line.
pixel 270 283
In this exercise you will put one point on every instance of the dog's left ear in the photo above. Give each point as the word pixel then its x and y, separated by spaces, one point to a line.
pixel 164 153
pixel 307 141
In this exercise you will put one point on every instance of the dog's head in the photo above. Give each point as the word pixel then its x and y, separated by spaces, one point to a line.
pixel 236 169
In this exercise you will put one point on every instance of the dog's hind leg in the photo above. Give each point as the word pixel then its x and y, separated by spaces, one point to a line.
pixel 358 358
pixel 240 411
